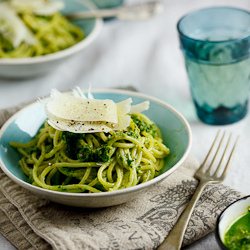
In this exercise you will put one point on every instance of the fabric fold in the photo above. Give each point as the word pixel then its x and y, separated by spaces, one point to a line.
pixel 9 231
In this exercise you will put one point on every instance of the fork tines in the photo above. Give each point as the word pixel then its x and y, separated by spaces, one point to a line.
pixel 219 171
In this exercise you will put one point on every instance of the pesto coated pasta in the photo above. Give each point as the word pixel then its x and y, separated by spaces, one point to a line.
pixel 94 162
pixel 51 33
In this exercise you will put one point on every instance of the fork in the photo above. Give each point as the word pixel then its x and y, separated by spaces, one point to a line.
pixel 206 175
pixel 140 11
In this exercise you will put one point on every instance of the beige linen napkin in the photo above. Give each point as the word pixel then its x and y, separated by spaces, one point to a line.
pixel 31 222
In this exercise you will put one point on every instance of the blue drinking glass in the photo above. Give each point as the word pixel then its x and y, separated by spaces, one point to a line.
pixel 216 46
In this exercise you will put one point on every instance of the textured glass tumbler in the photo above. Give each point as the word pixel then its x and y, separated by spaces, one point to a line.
pixel 216 46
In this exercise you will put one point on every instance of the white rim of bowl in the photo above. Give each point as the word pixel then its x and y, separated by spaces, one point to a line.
pixel 117 192
pixel 220 218
pixel 63 53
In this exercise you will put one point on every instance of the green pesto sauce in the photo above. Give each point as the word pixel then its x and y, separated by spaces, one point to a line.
pixel 238 235
pixel 85 153
pixel 143 125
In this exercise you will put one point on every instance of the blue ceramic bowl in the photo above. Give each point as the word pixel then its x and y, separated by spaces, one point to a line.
pixel 35 66
pixel 24 125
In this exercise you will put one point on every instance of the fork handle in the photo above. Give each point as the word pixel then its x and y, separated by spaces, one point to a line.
pixel 104 13
pixel 175 237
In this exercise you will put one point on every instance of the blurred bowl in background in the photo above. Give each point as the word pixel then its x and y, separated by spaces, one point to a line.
pixel 103 4
pixel 35 66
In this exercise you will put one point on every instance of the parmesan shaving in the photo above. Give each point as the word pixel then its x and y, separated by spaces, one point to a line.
pixel 124 107
pixel 79 127
pixel 37 7
pixel 78 114
pixel 13 28
pixel 79 109
pixel 123 123
pixel 78 93
pixel 139 107
pixel 90 96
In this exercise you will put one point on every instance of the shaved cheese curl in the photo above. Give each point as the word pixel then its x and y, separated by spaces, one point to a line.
pixel 79 109
pixel 138 108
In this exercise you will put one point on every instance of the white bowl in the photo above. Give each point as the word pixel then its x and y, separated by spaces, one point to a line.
pixel 35 66
pixel 24 125
pixel 229 216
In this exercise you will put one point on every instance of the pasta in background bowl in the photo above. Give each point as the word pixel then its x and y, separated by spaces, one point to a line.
pixel 38 65
pixel 24 125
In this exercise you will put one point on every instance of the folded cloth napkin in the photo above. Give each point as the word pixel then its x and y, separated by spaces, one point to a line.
pixel 31 222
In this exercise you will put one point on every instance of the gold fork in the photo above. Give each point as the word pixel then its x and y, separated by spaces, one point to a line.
pixel 206 176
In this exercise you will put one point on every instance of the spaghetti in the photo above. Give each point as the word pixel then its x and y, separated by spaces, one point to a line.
pixel 94 162
pixel 52 33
